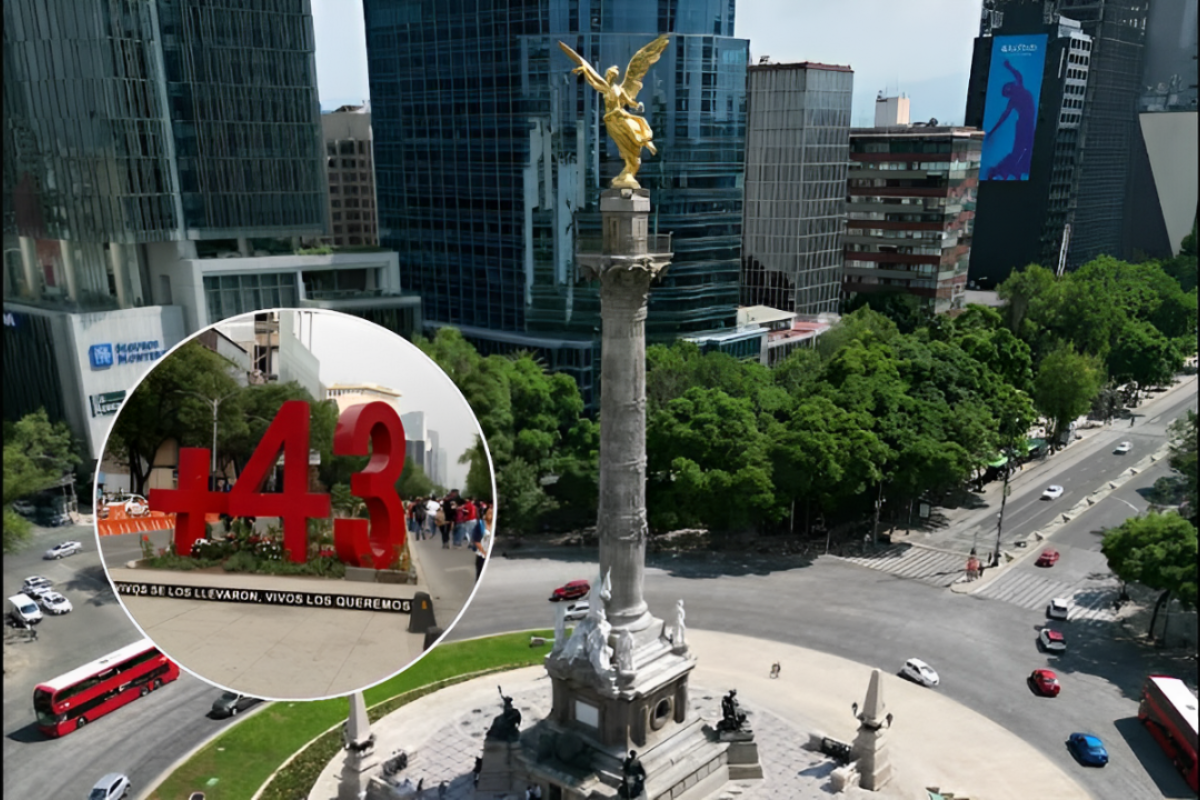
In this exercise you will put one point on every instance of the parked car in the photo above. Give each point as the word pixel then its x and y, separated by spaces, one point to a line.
pixel 577 611
pixel 55 603
pixel 230 703
pixel 110 787
pixel 1052 492
pixel 1123 448
pixel 1052 641
pixel 24 508
pixel 571 591
pixel 1088 749
pixel 23 611
pixel 1044 682
pixel 63 549
pixel 1059 608
pixel 1048 558
pixel 36 586
pixel 917 670
pixel 50 517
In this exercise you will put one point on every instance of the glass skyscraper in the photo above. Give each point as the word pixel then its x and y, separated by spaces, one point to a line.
pixel 491 156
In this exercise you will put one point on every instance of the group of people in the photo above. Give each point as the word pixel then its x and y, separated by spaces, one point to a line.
pixel 461 521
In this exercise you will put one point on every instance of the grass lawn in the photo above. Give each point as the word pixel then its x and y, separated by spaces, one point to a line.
pixel 241 759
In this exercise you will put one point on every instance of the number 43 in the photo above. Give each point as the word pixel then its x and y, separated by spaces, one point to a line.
pixel 370 427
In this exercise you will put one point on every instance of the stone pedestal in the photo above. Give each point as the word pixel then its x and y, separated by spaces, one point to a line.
pixel 501 767
pixel 742 754
pixel 354 774
pixel 873 761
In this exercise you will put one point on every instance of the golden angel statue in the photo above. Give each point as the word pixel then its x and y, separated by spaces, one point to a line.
pixel 629 131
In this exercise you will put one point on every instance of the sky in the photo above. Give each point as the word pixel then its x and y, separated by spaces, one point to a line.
pixel 352 350
pixel 921 48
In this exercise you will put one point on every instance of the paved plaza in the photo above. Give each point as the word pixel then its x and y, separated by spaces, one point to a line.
pixel 929 741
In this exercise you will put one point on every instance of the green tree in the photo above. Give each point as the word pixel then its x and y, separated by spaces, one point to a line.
pixel 864 325
pixel 1065 386
pixel 902 308
pixel 1183 457
pixel 1157 551
pixel 37 455
pixel 1033 296
pixel 1144 355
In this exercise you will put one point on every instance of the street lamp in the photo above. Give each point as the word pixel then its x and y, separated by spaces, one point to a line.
pixel 216 405
pixel 1003 498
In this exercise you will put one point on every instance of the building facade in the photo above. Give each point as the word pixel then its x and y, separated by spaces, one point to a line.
pixel 797 144
pixel 350 169
pixel 911 208
pixel 491 155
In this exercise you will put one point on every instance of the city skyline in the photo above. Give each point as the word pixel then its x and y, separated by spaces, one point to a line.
pixel 884 57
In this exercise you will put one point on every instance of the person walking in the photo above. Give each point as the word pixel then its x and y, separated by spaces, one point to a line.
pixel 481 543
pixel 418 515
pixel 467 517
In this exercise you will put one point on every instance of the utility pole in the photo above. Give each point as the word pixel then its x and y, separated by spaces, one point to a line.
pixel 1003 499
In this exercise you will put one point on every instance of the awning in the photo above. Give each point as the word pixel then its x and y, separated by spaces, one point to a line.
pixel 999 462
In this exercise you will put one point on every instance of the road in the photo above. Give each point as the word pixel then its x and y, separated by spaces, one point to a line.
pixel 141 740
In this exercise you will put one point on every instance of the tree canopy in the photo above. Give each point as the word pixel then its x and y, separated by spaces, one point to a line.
pixel 37 455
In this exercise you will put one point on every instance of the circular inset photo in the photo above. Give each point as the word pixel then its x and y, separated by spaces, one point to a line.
pixel 295 504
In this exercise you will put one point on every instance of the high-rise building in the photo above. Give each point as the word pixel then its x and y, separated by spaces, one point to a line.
pixel 350 169
pixel 891 112
pixel 1075 203
pixel 911 212
pixel 491 155
pixel 1162 197
pixel 797 140
pixel 162 161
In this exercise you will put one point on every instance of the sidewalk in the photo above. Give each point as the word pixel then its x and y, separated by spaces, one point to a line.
pixel 442 732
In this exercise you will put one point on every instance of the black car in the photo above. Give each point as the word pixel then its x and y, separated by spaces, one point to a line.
pixel 230 703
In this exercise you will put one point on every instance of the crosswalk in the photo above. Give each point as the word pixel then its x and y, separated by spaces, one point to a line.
pixel 1090 599
pixel 914 562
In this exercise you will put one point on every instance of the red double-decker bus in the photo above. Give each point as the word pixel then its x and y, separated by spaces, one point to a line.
pixel 1168 710
pixel 73 700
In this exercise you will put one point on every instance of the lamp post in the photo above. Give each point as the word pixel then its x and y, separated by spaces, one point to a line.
pixel 1003 498
pixel 216 406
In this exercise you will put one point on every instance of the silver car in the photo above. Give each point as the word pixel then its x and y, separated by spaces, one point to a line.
pixel 63 549
pixel 110 787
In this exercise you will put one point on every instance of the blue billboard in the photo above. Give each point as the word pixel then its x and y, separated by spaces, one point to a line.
pixel 1010 111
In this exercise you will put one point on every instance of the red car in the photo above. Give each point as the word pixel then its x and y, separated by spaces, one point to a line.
pixel 571 591
pixel 1045 682
pixel 1048 558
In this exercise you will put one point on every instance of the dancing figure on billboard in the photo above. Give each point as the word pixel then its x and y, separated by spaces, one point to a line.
pixel 1015 165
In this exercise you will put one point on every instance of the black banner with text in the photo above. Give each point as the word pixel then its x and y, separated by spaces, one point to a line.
pixel 267 597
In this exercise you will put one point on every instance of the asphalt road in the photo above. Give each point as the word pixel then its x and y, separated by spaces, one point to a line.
pixel 983 648
pixel 142 739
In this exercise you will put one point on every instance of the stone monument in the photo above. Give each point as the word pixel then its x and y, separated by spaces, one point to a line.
pixel 870 745
pixel 620 724
pixel 359 744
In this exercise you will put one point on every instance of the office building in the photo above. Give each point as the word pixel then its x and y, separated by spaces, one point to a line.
pixel 911 209
pixel 891 112
pixel 1076 202
pixel 350 169
pixel 163 164
pixel 491 155
pixel 1162 194
pixel 797 142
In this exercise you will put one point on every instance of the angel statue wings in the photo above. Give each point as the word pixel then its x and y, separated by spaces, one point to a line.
pixel 628 130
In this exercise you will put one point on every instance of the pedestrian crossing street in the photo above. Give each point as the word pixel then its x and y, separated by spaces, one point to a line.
pixel 1090 600
pixel 934 567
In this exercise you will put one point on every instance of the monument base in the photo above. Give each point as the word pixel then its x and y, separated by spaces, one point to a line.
pixel 354 774
pixel 501 766
pixel 871 759
pixel 742 755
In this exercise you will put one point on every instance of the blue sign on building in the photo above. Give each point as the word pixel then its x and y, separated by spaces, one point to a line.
pixel 1010 111
pixel 101 356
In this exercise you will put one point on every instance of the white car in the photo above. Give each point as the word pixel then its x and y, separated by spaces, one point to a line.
pixel 55 603
pixel 1059 608
pixel 36 586
pixel 1052 641
pixel 1123 448
pixel 64 549
pixel 136 506
pixel 577 611
pixel 1052 492
pixel 917 670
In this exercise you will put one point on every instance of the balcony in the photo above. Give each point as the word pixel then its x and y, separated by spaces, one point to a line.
pixel 594 245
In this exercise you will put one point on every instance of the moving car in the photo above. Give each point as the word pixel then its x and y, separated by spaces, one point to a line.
pixel 1048 558
pixel 23 611
pixel 1052 641
pixel 36 586
pixel 571 591
pixel 230 703
pixel 64 549
pixel 55 603
pixel 1052 492
pixel 917 670
pixel 1123 448
pixel 577 611
pixel 110 787
pixel 1059 608
pixel 1088 749
pixel 1044 682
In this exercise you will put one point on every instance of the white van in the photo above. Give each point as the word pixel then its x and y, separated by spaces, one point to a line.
pixel 23 610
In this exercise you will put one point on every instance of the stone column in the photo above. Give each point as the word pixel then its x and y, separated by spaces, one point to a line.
pixel 69 270
pixel 120 267
pixel 626 267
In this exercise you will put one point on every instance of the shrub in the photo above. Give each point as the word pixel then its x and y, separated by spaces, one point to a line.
pixel 241 561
